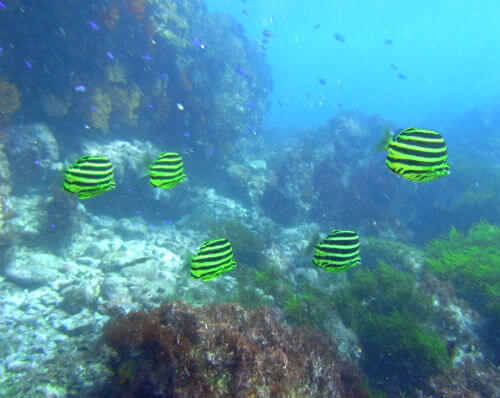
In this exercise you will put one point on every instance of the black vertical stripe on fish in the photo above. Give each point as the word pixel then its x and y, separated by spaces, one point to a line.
pixel 167 171
pixel 214 258
pixel 338 252
pixel 89 176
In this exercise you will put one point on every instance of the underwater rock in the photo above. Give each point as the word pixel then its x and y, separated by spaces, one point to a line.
pixel 31 270
pixel 10 100
pixel 224 350
pixel 33 154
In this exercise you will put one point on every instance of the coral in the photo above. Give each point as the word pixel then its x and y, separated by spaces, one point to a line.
pixel 221 351
pixel 125 102
pixel 136 7
pixel 389 314
pixel 116 73
pixel 9 101
pixel 472 263
pixel 171 20
pixel 101 110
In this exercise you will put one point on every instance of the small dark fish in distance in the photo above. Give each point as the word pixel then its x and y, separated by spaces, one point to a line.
pixel 316 26
pixel 267 33
pixel 242 71
pixel 322 81
pixel 388 42
pixel 401 76
pixel 392 66
pixel 198 43
pixel 244 12
pixel 339 37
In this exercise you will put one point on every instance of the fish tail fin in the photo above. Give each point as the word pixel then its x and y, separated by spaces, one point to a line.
pixel 145 166
pixel 383 144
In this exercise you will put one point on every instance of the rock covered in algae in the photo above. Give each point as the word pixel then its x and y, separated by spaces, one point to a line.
pixel 223 350
pixel 9 100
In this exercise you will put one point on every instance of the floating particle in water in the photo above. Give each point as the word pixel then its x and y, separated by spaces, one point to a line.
pixel 339 37
pixel 28 64
pixel 252 105
pixel 37 162
pixel 402 77
pixel 187 135
pixel 93 25
pixel 110 55
pixel 52 225
pixel 164 76
pixel 150 106
pixel 388 42
pixel 322 81
pixel 1 49
pixel 392 66
pixel 244 12
pixel 80 88
pixel 2 5
pixel 146 57
pixel 316 26
pixel 93 108
pixel 180 106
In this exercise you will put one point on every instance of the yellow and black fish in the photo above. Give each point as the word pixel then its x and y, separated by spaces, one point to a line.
pixel 90 176
pixel 418 155
pixel 338 252
pixel 214 258
pixel 167 171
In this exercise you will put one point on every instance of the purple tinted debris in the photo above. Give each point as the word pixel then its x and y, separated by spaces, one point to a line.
pixel 187 135
pixel 37 162
pixel 169 222
pixel 2 5
pixel 1 49
pixel 93 25
pixel 150 106
pixel 93 108
pixel 52 225
pixel 80 88
pixel 28 64
pixel 252 104
pixel 146 57
pixel 110 55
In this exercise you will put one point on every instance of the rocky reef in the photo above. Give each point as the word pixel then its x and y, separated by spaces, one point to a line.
pixel 221 351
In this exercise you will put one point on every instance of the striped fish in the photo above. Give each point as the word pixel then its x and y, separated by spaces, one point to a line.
pixel 214 258
pixel 418 155
pixel 167 171
pixel 90 176
pixel 338 252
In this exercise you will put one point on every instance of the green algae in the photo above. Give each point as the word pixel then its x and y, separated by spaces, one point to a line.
pixel 390 316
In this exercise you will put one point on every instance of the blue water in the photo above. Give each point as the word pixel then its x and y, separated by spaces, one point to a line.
pixel 448 50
